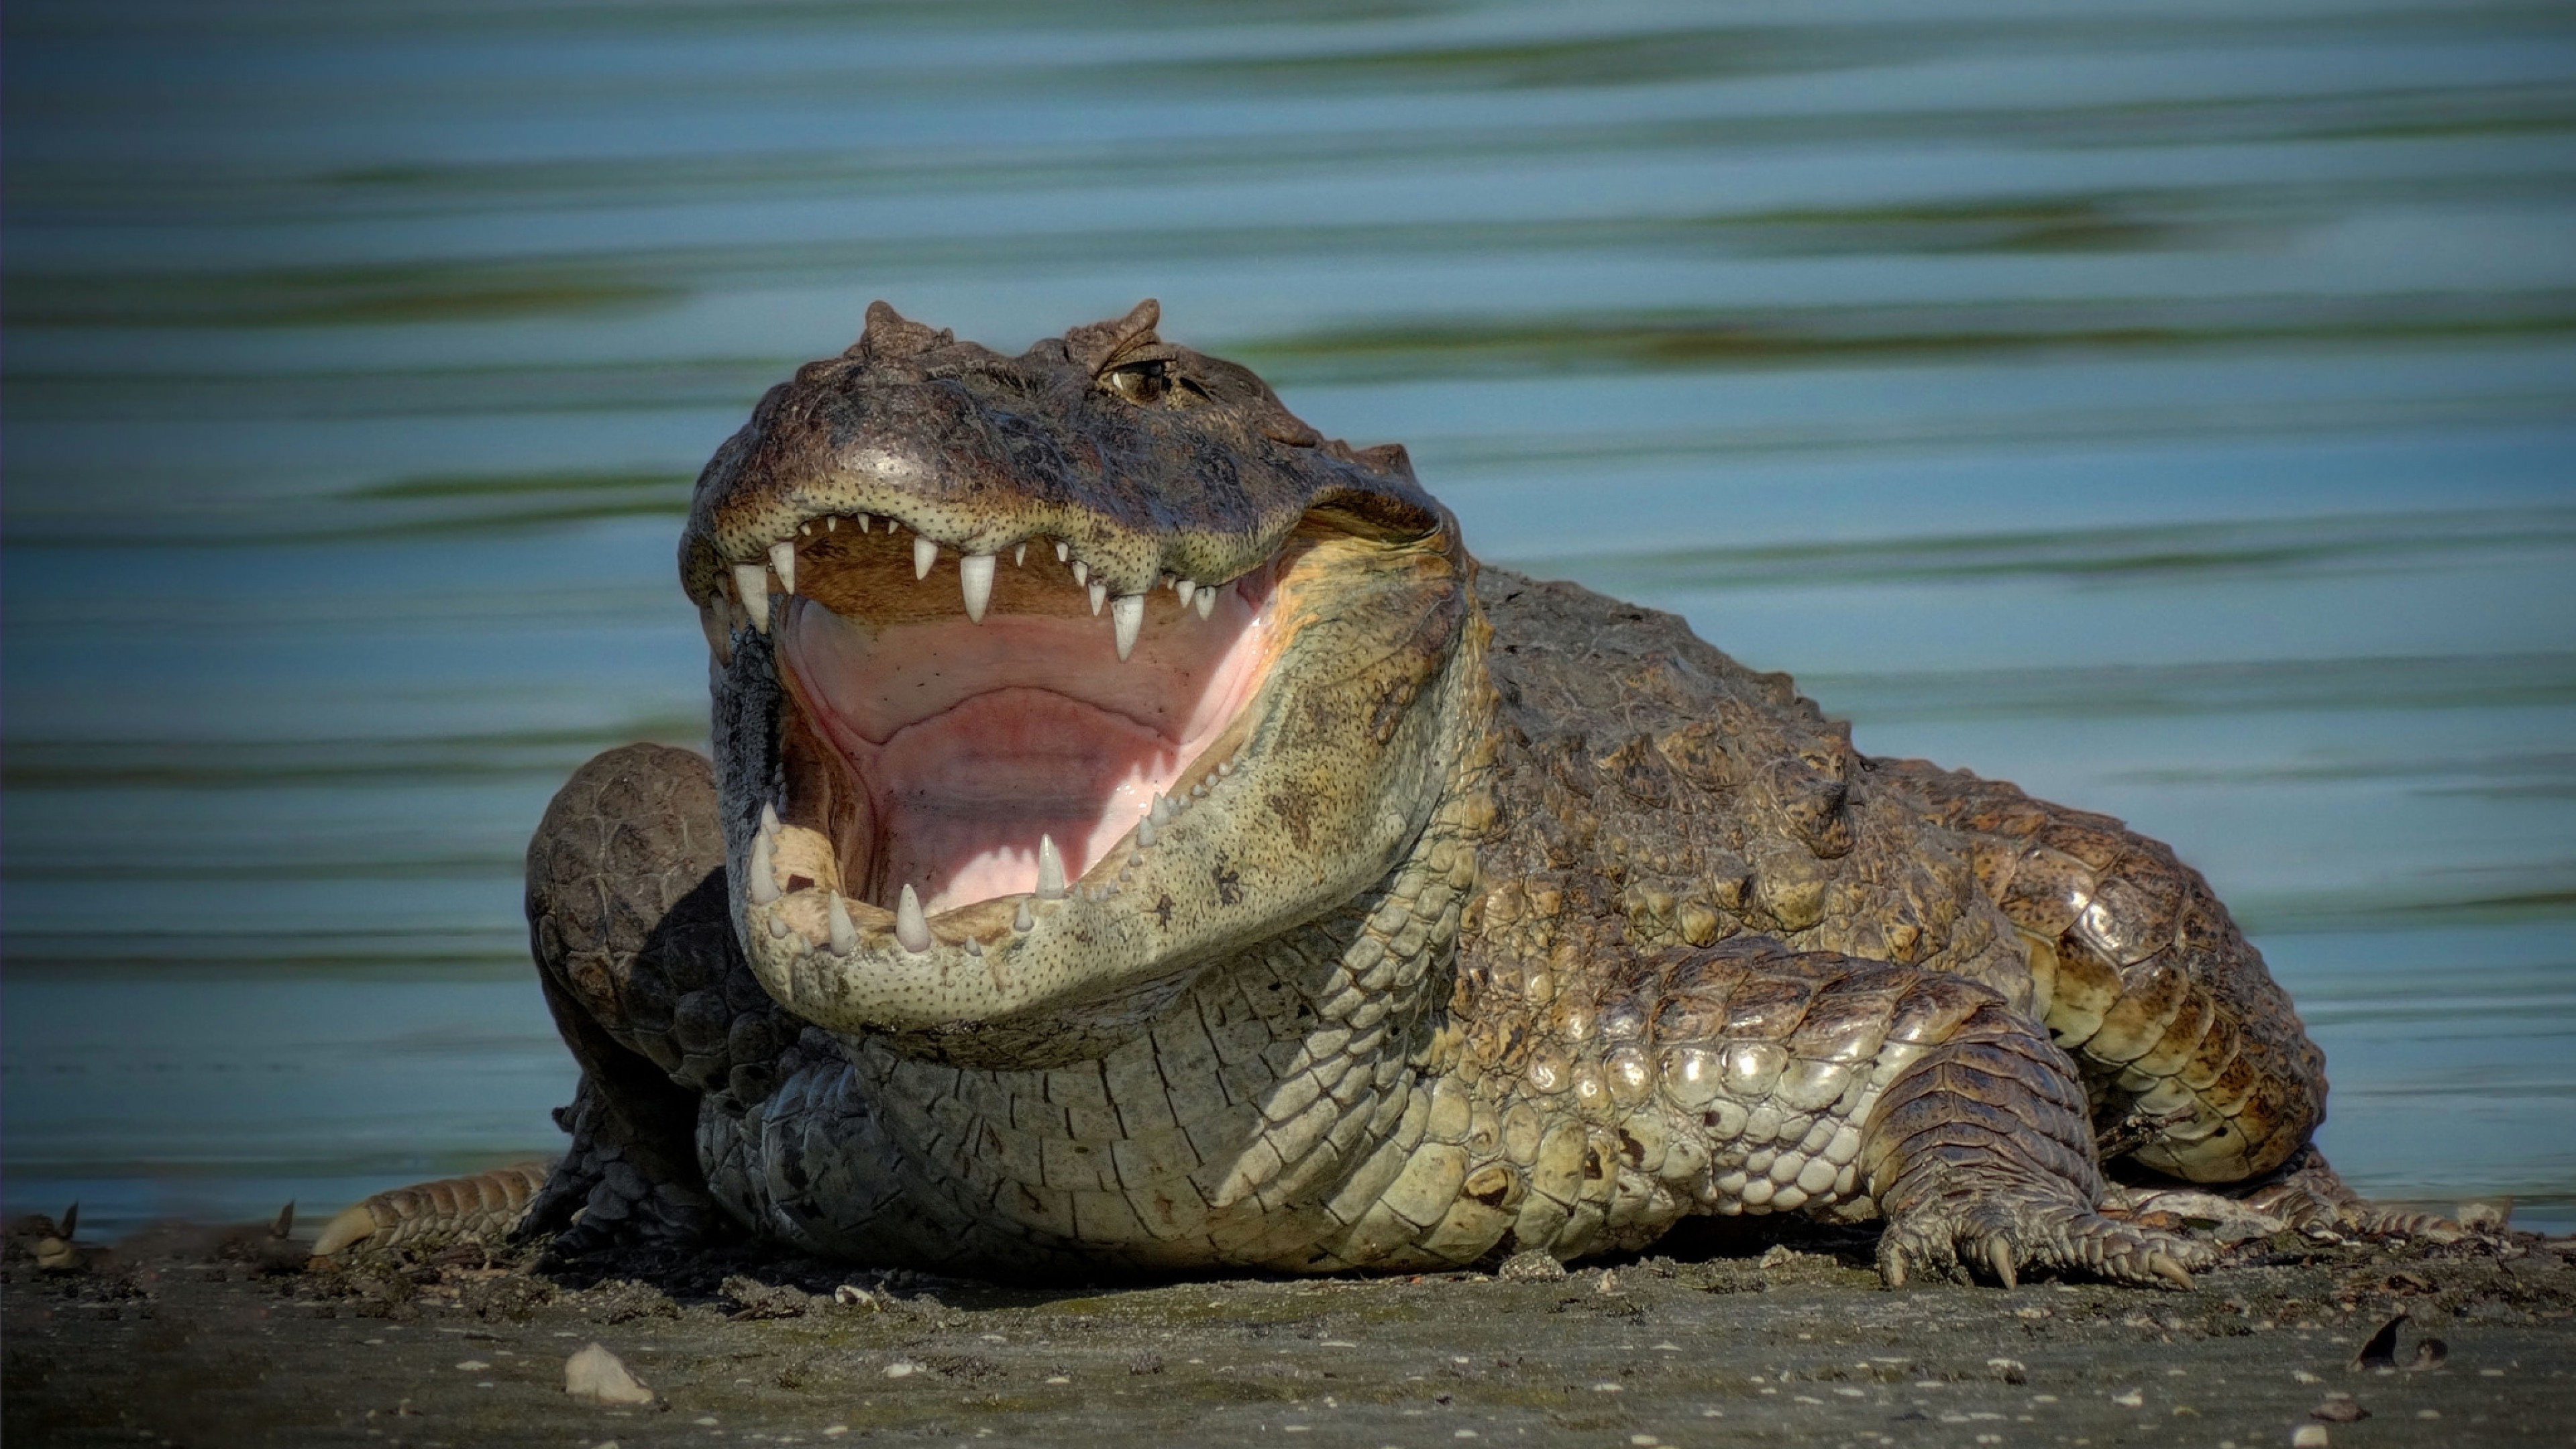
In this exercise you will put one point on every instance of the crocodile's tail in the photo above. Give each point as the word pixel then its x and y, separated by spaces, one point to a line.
pixel 482 1208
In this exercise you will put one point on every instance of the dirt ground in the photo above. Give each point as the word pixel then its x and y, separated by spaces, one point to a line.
pixel 194 1337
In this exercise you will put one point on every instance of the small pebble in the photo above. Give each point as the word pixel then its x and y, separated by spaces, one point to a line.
pixel 2130 1400
pixel 2310 1436
pixel 601 1377
pixel 472 1366
pixel 901 1370
pixel 1608 1388
pixel 1059 1379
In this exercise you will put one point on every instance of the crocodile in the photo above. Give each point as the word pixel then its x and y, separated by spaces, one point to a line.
pixel 1141 837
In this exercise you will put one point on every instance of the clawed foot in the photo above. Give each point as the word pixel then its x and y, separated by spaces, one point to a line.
pixel 2001 1239
pixel 2308 1195
pixel 599 1197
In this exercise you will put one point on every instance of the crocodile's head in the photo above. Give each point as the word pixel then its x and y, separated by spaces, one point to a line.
pixel 1042 682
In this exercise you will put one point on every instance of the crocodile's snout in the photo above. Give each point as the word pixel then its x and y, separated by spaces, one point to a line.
pixel 1044 680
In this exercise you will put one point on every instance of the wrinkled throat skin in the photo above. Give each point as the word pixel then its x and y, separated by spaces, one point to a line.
pixel 1140 836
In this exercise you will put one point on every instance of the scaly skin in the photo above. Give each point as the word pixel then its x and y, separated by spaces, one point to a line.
pixel 1639 936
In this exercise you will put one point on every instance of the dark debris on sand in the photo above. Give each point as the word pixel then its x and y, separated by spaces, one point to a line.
pixel 196 1336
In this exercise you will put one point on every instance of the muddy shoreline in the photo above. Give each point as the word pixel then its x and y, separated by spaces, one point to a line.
pixel 192 1337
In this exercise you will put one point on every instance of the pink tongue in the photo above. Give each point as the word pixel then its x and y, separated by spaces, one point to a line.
pixel 975 740
pixel 964 795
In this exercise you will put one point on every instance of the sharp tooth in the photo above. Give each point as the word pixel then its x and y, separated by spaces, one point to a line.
pixel 752 581
pixel 1188 589
pixel 1206 604
pixel 1161 812
pixel 974 947
pixel 1050 870
pixel 1021 920
pixel 975 575
pixel 782 558
pixel 764 873
pixel 1099 595
pixel 806 529
pixel 845 936
pixel 1062 550
pixel 832 524
pixel 865 522
pixel 1020 557
pixel 1127 613
pixel 1081 572
pixel 909 926
pixel 778 927
pixel 768 818
pixel 1144 837
pixel 924 554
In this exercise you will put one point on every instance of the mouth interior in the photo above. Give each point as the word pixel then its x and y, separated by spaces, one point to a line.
pixel 935 751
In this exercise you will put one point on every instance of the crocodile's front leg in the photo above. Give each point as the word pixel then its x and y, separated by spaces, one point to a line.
pixel 631 930
pixel 1750 1078
pixel 1980 1151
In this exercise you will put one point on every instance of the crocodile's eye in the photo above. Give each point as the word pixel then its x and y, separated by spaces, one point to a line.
pixel 1139 382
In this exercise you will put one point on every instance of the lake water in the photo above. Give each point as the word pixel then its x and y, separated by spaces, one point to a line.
pixel 2169 407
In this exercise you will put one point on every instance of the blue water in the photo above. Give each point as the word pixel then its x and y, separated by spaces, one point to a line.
pixel 2170 408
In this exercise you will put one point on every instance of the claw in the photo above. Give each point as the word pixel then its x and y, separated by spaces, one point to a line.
pixel 2000 1258
pixel 351 1225
pixel 2166 1268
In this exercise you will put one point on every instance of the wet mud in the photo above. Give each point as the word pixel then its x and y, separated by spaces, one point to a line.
pixel 198 1337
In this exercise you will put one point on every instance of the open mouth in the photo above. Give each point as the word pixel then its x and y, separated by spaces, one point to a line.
pixel 972 728
pixel 983 803
pixel 977 727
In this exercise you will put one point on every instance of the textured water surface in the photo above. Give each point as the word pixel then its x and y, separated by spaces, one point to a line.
pixel 2167 407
